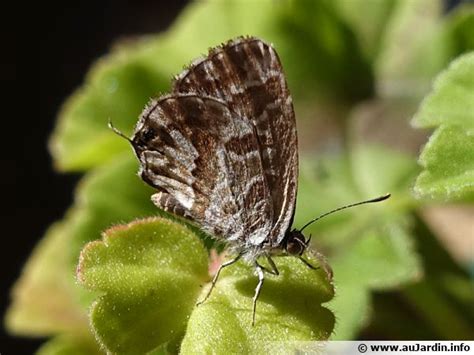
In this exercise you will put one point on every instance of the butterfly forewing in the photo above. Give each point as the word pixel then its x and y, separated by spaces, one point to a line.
pixel 204 160
pixel 247 75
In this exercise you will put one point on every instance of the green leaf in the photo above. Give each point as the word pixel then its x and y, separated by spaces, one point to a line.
pixel 447 158
pixel 337 180
pixel 370 247
pixel 418 43
pixel 110 194
pixel 328 62
pixel 381 258
pixel 119 85
pixel 70 345
pixel 451 101
pixel 449 165
pixel 44 301
pixel 321 54
pixel 368 33
pixel 150 273
pixel 117 88
pixel 288 309
pixel 378 170
pixel 407 32
pixel 318 49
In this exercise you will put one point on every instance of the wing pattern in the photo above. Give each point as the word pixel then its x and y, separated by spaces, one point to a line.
pixel 204 159
pixel 247 75
pixel 222 147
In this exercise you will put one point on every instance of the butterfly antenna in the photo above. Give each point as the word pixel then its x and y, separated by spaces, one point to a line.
pixel 118 132
pixel 378 199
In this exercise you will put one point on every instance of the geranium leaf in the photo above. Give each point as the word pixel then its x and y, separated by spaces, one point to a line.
pixel 447 158
pixel 288 309
pixel 150 273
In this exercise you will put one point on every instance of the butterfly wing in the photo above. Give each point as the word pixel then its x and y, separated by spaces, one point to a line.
pixel 246 73
pixel 204 160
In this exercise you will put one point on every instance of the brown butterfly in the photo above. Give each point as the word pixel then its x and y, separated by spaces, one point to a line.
pixel 221 149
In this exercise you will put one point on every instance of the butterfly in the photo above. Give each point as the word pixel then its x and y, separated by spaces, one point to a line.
pixel 221 150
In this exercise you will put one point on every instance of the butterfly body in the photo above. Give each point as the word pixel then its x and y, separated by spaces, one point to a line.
pixel 221 148
pixel 221 151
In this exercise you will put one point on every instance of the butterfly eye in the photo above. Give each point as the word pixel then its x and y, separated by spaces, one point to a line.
pixel 294 248
pixel 296 244
pixel 148 134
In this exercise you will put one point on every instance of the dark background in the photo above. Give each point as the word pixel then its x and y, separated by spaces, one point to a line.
pixel 68 37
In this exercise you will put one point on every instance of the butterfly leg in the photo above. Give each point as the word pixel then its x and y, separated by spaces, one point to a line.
pixel 261 278
pixel 307 263
pixel 216 276
pixel 273 266
pixel 273 270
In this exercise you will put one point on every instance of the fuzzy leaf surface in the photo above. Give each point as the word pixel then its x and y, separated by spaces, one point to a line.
pixel 150 273
pixel 448 158
pixel 289 309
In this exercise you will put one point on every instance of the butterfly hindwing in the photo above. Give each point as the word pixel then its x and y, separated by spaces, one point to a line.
pixel 247 75
pixel 204 160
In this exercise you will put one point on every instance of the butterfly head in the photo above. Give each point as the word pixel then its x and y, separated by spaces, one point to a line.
pixel 295 242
